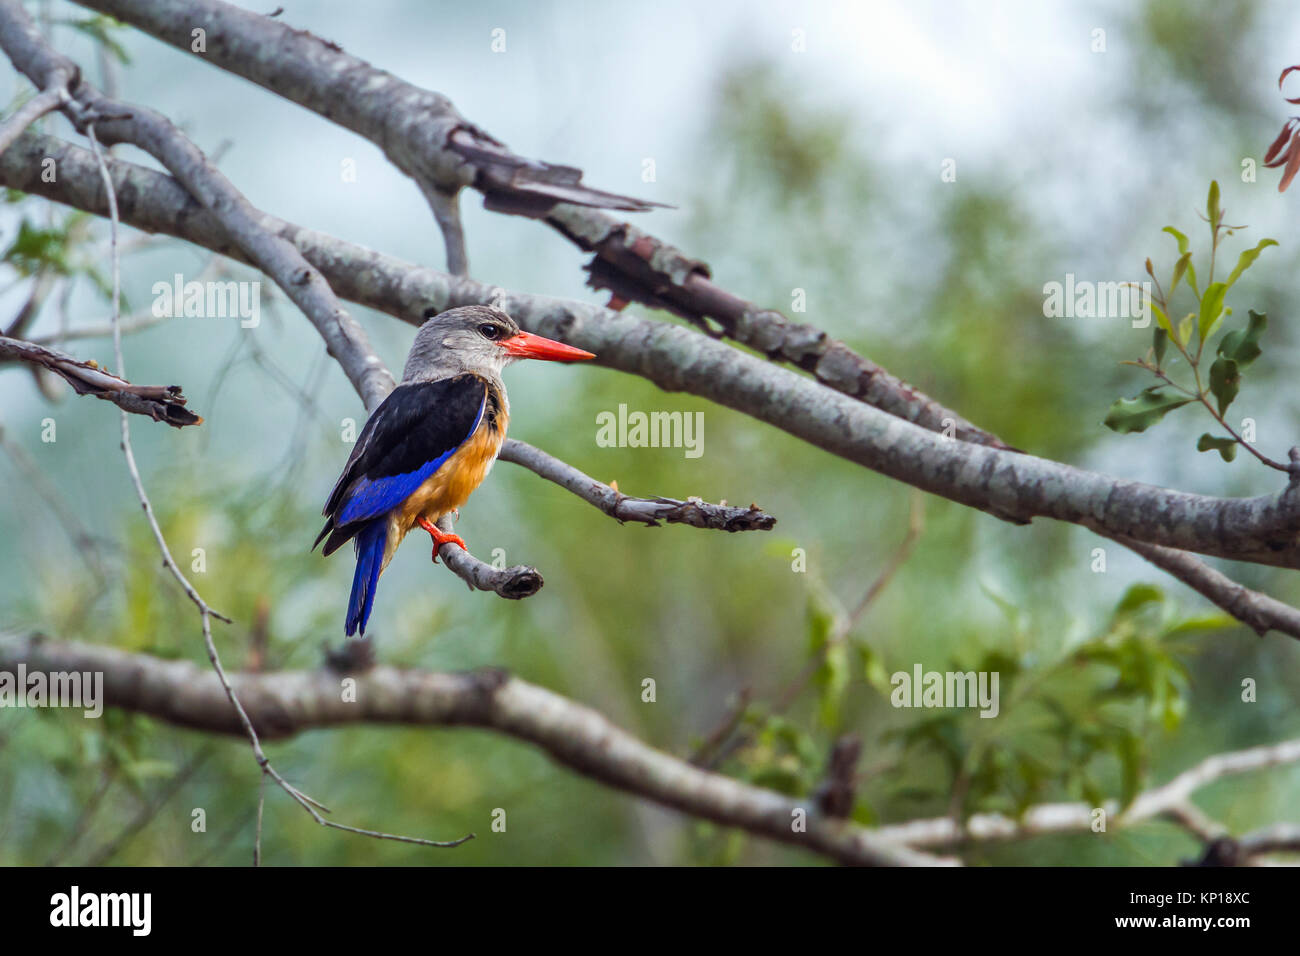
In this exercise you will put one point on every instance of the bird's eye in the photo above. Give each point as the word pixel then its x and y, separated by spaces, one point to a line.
pixel 489 331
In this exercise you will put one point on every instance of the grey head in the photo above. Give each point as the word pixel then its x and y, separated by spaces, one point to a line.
pixel 479 340
pixel 467 339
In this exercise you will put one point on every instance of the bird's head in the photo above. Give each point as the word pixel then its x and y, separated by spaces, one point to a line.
pixel 479 339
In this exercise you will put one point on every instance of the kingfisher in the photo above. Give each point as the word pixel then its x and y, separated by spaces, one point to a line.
pixel 430 442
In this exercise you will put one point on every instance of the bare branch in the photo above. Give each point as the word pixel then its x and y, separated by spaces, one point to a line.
pixel 291 702
pixel 651 511
pixel 156 135
pixel 162 403
pixel 515 583
pixel 20 39
pixel 1080 817
pixel 446 210
pixel 1254 609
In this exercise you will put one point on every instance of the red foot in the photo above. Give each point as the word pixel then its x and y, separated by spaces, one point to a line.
pixel 439 536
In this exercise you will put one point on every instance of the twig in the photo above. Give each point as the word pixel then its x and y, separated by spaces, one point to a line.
pixel 650 511
pixel 261 804
pixel 446 210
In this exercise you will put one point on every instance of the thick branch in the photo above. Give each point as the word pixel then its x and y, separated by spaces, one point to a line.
pixel 162 403
pixel 1012 486
pixel 287 703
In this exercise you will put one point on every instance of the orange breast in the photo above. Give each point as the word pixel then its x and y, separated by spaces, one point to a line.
pixel 452 484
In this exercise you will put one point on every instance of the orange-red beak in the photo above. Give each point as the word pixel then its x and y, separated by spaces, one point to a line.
pixel 527 345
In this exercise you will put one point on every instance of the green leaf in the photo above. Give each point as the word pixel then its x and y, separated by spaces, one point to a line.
pixel 1160 342
pixel 1182 251
pixel 1162 320
pixel 1128 750
pixel 1201 623
pixel 1225 382
pixel 1226 447
pixel 1242 345
pixel 1212 205
pixel 1180 267
pixel 1136 596
pixel 1185 329
pixel 873 668
pixel 1247 259
pixel 832 680
pixel 1211 308
pixel 34 249
pixel 1140 413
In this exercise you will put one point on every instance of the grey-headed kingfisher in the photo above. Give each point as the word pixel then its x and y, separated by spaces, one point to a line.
pixel 430 442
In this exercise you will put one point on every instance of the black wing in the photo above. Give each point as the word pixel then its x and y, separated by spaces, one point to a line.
pixel 405 441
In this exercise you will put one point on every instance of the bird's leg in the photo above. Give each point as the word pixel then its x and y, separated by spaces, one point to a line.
pixel 439 536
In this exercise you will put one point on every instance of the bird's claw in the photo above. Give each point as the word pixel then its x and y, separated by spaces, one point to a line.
pixel 441 537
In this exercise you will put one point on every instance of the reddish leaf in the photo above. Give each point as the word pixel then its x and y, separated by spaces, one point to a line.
pixel 1281 79
pixel 1278 143
pixel 1292 165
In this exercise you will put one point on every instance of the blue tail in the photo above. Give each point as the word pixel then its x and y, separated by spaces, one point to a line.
pixel 370 544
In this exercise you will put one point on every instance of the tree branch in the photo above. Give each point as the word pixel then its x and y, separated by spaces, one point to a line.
pixel 446 210
pixel 162 403
pixel 1079 817
pixel 650 511
pixel 290 702
pixel 1253 608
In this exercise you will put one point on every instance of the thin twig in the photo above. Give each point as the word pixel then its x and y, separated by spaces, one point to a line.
pixel 446 210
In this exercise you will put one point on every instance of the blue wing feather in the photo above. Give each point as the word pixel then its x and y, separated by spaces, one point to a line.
pixel 369 498
pixel 370 544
